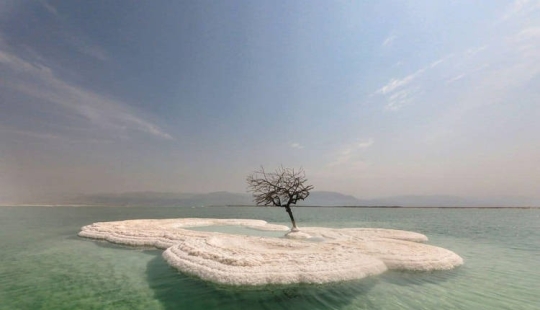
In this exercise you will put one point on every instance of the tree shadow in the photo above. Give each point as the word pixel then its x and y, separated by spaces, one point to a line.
pixel 178 291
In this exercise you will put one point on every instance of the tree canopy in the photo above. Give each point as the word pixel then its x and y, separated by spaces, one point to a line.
pixel 282 188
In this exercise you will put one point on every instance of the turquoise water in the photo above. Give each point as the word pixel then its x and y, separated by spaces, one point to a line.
pixel 44 265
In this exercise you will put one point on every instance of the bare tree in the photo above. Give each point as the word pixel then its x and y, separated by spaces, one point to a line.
pixel 281 188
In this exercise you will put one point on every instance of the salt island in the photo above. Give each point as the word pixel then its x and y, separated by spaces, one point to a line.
pixel 312 255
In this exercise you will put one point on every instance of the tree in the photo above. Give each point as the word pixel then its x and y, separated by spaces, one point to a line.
pixel 281 188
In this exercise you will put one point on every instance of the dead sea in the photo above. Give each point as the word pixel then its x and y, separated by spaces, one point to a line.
pixel 46 265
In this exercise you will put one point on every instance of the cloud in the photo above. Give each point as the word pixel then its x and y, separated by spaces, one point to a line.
pixel 395 83
pixel 388 41
pixel 521 58
pixel 455 78
pixel 348 155
pixel 520 8
pixel 49 7
pixel 86 48
pixel 397 93
pixel 39 81
pixel 527 43
pixel 475 50
pixel 498 69
pixel 399 83
pixel 365 144
pixel 505 74
pixel 529 33
pixel 399 99
pixel 436 63
pixel 296 145
pixel 400 92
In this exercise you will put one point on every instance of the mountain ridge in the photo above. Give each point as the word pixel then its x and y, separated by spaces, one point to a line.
pixel 316 198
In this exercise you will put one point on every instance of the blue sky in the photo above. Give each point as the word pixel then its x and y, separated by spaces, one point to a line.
pixel 372 98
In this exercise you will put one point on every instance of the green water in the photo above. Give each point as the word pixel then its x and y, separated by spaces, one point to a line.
pixel 44 265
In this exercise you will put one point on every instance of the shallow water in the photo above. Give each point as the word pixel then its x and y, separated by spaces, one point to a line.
pixel 44 265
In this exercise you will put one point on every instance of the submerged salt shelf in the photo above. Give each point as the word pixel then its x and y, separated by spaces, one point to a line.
pixel 312 255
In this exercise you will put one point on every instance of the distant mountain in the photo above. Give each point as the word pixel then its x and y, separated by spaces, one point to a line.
pixel 325 198
pixel 426 201
pixel 166 199
pixel 337 199
pixel 453 201
pixel 316 198
pixel 209 199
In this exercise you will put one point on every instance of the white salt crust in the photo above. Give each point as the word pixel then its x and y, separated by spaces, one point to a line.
pixel 311 255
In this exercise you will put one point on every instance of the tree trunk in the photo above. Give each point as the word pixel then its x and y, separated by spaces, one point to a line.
pixel 288 209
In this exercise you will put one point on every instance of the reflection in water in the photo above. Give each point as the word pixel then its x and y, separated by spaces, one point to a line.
pixel 176 291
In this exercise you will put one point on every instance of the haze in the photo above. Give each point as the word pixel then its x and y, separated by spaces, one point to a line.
pixel 372 99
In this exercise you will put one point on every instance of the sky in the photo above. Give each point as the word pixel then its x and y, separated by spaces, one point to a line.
pixel 371 98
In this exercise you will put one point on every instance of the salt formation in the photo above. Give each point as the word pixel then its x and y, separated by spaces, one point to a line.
pixel 245 260
pixel 164 233
pixel 312 255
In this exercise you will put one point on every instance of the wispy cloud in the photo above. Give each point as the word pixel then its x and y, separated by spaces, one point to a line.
pixel 529 33
pixel 436 63
pixel 401 98
pixel 348 154
pixel 39 81
pixel 396 83
pixel 399 92
pixel 455 78
pixel 389 41
pixel 520 55
pixel 365 144
pixel 85 47
pixel 527 43
pixel 49 7
pixel 519 8
pixel 475 50
pixel 495 69
pixel 296 145
pixel 496 74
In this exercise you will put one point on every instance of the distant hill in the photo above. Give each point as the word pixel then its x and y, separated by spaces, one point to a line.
pixel 209 199
pixel 453 201
pixel 338 199
pixel 325 199
pixel 165 199
pixel 316 198
pixel 427 201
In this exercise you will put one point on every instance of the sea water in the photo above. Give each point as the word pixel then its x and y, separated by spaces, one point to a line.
pixel 44 265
